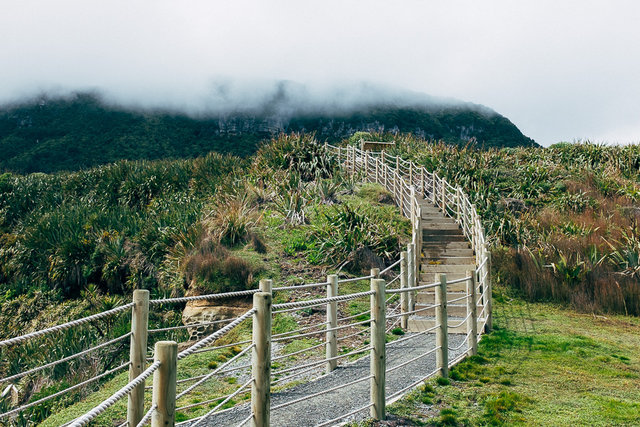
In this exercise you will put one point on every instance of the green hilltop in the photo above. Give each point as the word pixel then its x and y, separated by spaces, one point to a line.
pixel 81 131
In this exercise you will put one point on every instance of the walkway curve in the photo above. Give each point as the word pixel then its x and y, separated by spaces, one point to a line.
pixel 318 410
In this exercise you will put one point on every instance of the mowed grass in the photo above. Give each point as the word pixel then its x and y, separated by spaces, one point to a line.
pixel 542 365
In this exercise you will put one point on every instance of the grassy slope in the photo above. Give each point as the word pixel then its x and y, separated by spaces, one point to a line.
pixel 543 365
pixel 285 269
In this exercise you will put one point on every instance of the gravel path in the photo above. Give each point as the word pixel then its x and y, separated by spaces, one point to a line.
pixel 321 409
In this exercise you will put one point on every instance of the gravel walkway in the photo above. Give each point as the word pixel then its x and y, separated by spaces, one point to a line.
pixel 321 409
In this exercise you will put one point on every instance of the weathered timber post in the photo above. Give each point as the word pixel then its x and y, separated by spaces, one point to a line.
pixel 487 292
pixel 378 350
pixel 366 166
pixel 472 312
pixel 377 169
pixel 458 203
pixel 375 273
pixel 261 360
pixel 424 183
pixel 412 198
pixel 410 173
pixel 442 337
pixel 411 274
pixel 404 298
pixel 433 189
pixel 444 196
pixel 164 384
pixel 138 354
pixel 419 243
pixel 266 285
pixel 353 158
pixel 394 175
pixel 332 323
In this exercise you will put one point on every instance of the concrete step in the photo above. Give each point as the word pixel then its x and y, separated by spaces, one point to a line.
pixel 435 232
pixel 422 323
pixel 444 245
pixel 430 210
pixel 461 260
pixel 428 278
pixel 436 217
pixel 442 226
pixel 447 269
pixel 428 296
pixel 454 310
pixel 434 252
pixel 442 238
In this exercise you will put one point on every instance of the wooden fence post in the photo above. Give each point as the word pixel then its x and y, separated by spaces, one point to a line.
pixel 353 158
pixel 138 354
pixel 423 182
pixel 458 203
pixel 411 274
pixel 404 298
pixel 261 360
pixel 444 196
pixel 418 247
pixel 487 291
pixel 164 384
pixel 433 189
pixel 378 350
pixel 412 198
pixel 410 173
pixel 266 285
pixel 332 323
pixel 442 337
pixel 366 166
pixel 472 312
pixel 377 168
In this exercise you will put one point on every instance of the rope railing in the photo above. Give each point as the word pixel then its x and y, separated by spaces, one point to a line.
pixel 187 326
pixel 341 417
pixel 219 405
pixel 355 279
pixel 320 393
pixel 124 391
pixel 390 267
pixel 214 372
pixel 78 322
pixel 408 183
pixel 295 353
pixel 323 361
pixel 216 335
pixel 302 286
pixel 203 297
pixel 320 301
pixel 65 359
pixel 61 392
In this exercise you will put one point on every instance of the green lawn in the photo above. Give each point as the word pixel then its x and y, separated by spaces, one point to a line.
pixel 542 365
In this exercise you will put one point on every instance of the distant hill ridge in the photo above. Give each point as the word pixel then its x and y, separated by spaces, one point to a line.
pixel 79 131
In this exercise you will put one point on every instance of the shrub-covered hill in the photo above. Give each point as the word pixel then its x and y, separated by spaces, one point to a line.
pixel 564 221
pixel 72 244
pixel 81 131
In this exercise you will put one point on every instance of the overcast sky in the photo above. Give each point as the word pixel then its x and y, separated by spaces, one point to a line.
pixel 560 70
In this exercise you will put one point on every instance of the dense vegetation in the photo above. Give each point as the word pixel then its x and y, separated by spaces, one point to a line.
pixel 564 221
pixel 48 135
pixel 72 244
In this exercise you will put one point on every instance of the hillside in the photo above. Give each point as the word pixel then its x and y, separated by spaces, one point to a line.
pixel 562 221
pixel 81 131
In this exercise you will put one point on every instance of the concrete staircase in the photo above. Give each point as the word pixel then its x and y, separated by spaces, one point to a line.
pixel 445 250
